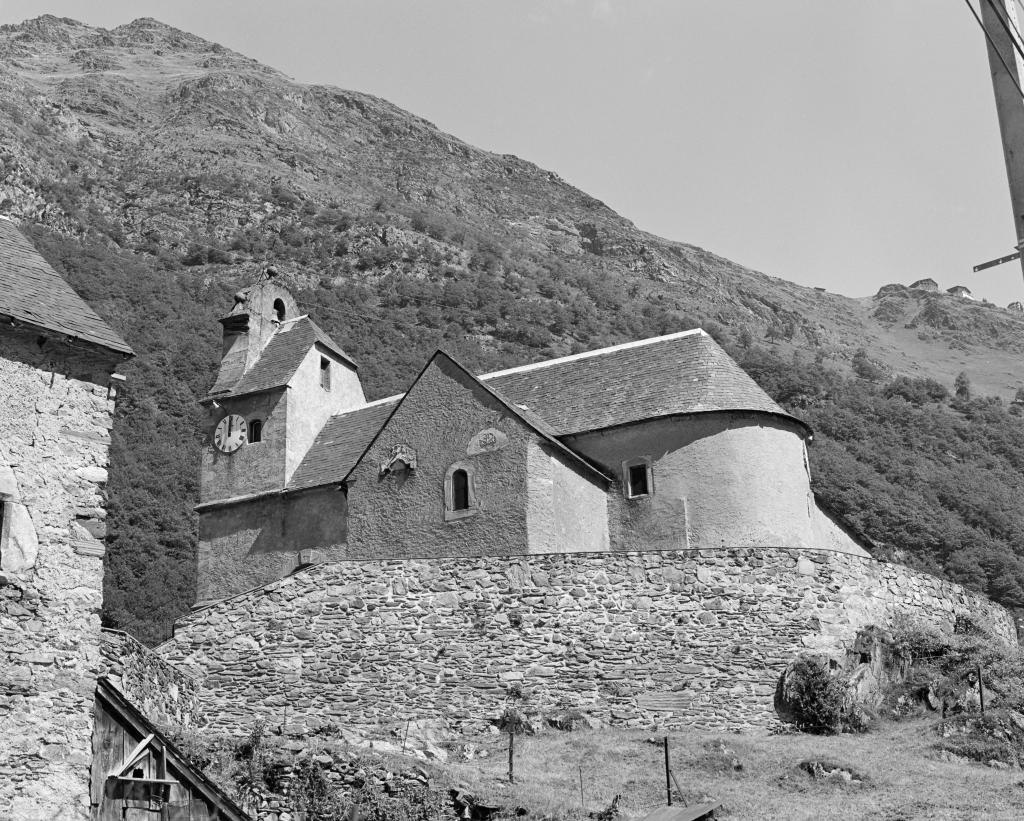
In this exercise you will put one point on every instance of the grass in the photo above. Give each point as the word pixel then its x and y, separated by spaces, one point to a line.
pixel 756 776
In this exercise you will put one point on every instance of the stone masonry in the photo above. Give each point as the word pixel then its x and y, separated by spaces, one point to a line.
pixel 55 417
pixel 159 690
pixel 674 638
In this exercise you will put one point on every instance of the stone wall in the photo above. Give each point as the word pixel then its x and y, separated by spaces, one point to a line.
pixel 159 690
pixel 674 638
pixel 55 419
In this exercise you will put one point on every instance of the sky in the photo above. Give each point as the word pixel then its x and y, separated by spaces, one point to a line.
pixel 843 145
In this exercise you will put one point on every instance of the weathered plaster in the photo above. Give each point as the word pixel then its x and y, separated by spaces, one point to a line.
pixel 244 545
pixel 403 515
pixel 55 418
pixel 254 467
pixel 566 511
pixel 719 479
pixel 310 405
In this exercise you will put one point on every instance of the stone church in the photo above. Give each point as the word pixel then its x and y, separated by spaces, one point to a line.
pixel 659 444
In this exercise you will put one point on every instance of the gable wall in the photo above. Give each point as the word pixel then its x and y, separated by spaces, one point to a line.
pixel 55 420
pixel 310 406
pixel 395 516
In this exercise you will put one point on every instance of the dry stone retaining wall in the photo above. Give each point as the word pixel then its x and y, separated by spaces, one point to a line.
pixel 669 638
pixel 55 418
pixel 159 690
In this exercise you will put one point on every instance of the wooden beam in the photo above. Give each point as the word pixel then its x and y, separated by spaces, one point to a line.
pixel 1000 20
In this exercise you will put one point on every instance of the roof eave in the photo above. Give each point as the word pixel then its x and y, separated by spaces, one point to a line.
pixel 122 350
pixel 807 429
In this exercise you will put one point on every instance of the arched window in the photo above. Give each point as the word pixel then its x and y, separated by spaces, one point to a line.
pixel 255 431
pixel 279 309
pixel 459 492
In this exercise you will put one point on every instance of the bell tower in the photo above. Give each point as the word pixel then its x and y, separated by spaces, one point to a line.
pixel 258 312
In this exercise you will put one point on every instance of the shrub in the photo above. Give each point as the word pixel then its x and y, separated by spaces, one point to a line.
pixel 812 697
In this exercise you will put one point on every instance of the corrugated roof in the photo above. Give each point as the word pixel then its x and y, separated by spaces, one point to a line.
pixel 677 374
pixel 340 444
pixel 31 291
pixel 681 373
pixel 283 355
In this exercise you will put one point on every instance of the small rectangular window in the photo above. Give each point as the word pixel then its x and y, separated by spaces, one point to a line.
pixel 636 478
pixel 325 373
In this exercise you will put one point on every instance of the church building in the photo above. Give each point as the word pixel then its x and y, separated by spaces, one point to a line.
pixel 653 445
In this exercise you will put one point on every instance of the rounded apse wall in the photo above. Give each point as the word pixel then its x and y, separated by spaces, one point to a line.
pixel 736 479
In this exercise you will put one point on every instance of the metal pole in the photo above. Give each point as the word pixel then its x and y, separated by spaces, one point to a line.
pixel 668 775
pixel 981 690
pixel 583 807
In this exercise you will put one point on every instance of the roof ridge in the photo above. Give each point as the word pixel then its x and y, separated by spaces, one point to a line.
pixel 598 352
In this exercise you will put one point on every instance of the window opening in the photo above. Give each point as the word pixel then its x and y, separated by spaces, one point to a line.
pixel 460 490
pixel 279 309
pixel 255 431
pixel 325 373
pixel 637 478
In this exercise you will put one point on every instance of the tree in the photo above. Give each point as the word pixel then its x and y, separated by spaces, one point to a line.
pixel 962 386
pixel 864 367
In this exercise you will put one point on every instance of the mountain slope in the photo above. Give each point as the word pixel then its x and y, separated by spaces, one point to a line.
pixel 160 172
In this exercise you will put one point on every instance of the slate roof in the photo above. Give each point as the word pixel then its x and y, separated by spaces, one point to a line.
pixel 32 292
pixel 680 373
pixel 282 357
pixel 340 444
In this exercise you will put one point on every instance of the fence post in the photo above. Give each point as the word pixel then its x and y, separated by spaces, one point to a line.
pixel 668 775
pixel 981 690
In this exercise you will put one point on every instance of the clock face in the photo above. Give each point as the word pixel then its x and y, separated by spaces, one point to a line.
pixel 231 433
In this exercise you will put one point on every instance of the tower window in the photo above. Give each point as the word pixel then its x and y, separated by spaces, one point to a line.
pixel 279 310
pixel 325 373
pixel 459 492
pixel 255 431
pixel 637 478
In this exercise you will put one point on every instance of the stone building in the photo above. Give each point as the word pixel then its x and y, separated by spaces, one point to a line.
pixel 661 444
pixel 960 291
pixel 926 284
pixel 57 363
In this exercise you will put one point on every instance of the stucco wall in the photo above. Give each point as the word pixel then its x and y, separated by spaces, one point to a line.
pixel 566 511
pixel 719 479
pixel 403 515
pixel 310 406
pixel 253 468
pixel 677 638
pixel 244 545
pixel 55 419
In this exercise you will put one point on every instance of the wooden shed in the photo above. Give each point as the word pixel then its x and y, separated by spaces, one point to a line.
pixel 138 775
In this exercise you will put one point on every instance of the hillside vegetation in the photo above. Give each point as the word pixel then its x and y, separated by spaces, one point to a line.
pixel 161 172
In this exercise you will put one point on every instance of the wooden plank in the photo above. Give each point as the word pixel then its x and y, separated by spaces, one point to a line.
pixel 677 813
pixel 136 753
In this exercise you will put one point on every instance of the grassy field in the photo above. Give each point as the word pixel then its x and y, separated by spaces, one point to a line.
pixel 903 776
